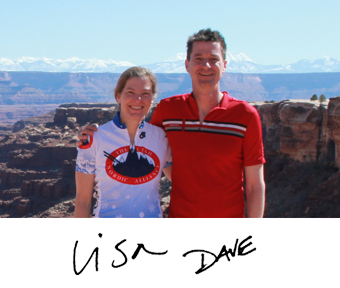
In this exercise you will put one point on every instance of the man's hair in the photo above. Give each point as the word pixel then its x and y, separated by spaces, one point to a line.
pixel 206 35
pixel 136 72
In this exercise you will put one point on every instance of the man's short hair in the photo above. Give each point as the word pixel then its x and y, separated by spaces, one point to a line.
pixel 207 35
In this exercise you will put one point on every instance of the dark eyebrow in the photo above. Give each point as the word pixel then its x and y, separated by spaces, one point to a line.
pixel 132 88
pixel 212 54
pixel 129 88
pixel 215 54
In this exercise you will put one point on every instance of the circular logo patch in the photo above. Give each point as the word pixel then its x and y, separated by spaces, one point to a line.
pixel 87 143
pixel 132 167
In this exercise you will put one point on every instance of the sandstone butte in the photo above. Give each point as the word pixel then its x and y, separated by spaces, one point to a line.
pixel 301 140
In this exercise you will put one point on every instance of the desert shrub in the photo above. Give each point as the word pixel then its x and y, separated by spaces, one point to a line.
pixel 322 98
pixel 314 97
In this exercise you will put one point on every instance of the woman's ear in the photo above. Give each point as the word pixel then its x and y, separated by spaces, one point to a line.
pixel 118 98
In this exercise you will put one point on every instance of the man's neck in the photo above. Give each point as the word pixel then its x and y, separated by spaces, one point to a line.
pixel 206 101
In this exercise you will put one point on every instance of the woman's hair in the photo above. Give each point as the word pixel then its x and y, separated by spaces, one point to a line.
pixel 136 72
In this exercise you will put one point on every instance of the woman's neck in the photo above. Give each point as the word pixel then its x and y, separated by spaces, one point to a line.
pixel 131 127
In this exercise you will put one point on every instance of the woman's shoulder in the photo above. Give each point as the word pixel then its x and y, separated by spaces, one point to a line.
pixel 154 129
pixel 156 132
pixel 106 126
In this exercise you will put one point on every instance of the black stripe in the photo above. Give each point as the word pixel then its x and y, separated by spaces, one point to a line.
pixel 191 120
pixel 222 131
pixel 230 123
pixel 165 120
pixel 212 132
pixel 170 130
pixel 192 128
pixel 174 127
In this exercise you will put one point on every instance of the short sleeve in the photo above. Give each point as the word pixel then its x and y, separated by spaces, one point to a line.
pixel 157 118
pixel 253 143
pixel 86 160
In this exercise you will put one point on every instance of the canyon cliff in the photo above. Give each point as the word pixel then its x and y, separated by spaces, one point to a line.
pixel 301 140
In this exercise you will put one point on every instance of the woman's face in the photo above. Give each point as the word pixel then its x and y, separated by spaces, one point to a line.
pixel 135 99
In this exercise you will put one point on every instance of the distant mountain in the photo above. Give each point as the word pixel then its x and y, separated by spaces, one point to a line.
pixel 73 64
pixel 239 63
pixel 36 88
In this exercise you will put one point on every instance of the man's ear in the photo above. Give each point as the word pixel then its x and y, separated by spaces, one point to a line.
pixel 224 66
pixel 186 64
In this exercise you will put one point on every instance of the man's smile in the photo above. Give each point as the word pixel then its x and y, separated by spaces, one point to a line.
pixel 206 74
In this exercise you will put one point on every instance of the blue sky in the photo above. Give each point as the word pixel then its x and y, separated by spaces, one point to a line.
pixel 144 32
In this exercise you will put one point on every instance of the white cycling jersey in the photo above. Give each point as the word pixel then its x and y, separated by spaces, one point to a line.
pixel 126 177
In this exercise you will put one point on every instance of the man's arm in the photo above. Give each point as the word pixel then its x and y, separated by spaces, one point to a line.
pixel 84 184
pixel 87 130
pixel 255 190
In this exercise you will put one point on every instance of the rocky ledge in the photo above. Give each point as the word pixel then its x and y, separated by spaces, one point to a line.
pixel 301 139
pixel 305 130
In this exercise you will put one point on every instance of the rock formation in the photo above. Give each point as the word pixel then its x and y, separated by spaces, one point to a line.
pixel 301 139
pixel 305 130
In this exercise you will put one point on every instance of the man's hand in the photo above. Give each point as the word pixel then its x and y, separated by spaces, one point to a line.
pixel 87 130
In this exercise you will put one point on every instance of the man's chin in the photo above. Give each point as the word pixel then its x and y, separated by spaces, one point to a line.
pixel 207 84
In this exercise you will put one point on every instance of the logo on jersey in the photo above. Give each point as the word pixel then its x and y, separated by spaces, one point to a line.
pixel 142 135
pixel 132 166
pixel 87 143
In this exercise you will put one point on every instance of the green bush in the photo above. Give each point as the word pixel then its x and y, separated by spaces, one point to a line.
pixel 322 98
pixel 314 97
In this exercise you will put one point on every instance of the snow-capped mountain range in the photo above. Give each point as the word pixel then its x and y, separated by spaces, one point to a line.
pixel 239 63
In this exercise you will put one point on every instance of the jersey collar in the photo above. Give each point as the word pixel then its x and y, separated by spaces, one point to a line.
pixel 117 122
pixel 222 105
pixel 224 101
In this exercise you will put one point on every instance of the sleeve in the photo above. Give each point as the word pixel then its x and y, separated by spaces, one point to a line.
pixel 157 117
pixel 157 120
pixel 86 158
pixel 168 157
pixel 253 142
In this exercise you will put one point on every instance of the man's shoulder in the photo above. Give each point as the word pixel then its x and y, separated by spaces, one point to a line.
pixel 175 100
pixel 170 108
pixel 241 105
pixel 155 130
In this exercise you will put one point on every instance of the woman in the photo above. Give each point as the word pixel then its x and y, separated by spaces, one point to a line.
pixel 123 161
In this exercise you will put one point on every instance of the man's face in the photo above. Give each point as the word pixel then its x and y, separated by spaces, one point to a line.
pixel 206 64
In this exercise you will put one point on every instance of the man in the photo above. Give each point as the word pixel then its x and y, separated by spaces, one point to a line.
pixel 215 140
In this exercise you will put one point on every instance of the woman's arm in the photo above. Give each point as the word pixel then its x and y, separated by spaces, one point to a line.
pixel 84 184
